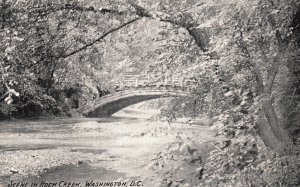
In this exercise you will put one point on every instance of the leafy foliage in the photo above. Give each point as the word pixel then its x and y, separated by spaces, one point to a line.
pixel 41 41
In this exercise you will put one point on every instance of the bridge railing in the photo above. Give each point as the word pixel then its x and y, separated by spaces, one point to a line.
pixel 129 81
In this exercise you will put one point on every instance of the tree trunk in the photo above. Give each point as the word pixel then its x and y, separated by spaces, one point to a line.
pixel 273 135
pixel 265 133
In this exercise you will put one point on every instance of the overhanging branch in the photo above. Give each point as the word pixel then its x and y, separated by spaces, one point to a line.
pixel 66 55
pixel 142 12
pixel 51 9
pixel 98 39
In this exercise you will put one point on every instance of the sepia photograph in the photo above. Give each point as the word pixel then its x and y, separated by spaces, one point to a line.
pixel 149 93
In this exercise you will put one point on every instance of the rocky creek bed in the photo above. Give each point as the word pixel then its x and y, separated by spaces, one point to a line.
pixel 123 150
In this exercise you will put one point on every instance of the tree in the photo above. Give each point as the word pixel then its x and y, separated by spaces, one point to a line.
pixel 261 46
pixel 265 45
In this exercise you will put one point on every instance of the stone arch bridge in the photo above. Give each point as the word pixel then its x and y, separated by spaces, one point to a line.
pixel 135 89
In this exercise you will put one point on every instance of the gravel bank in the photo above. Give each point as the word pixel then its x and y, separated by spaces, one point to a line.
pixel 19 164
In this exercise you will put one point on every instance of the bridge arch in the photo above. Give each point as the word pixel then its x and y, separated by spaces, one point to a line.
pixel 112 103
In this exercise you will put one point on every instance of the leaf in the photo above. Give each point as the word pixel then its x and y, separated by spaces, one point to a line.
pixel 274 12
pixel 230 93
pixel 13 91
pixel 8 100
pixel 10 49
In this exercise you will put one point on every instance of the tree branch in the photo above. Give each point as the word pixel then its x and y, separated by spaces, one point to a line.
pixel 51 9
pixel 273 70
pixel 256 71
pixel 98 39
pixel 260 45
pixel 271 75
pixel 142 12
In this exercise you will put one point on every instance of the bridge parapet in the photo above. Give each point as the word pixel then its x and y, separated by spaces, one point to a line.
pixel 136 81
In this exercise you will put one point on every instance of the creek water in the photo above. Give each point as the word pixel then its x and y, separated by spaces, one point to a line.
pixel 123 146
pixel 78 135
